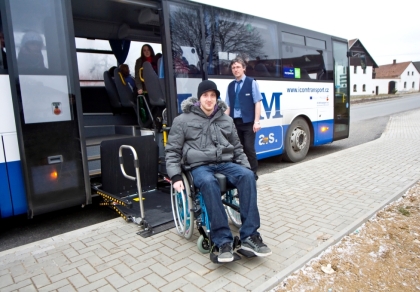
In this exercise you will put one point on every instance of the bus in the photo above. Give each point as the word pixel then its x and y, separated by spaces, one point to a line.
pixel 57 111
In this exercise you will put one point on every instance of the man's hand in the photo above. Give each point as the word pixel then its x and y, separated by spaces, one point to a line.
pixel 256 127
pixel 140 91
pixel 178 186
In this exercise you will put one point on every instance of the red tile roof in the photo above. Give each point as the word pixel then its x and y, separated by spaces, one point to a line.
pixel 391 70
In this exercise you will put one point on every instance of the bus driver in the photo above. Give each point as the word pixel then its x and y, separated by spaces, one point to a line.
pixel 205 138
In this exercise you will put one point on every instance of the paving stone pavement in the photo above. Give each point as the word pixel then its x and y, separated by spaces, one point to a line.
pixel 304 209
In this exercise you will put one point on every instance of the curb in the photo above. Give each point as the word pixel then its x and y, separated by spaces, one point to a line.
pixel 372 98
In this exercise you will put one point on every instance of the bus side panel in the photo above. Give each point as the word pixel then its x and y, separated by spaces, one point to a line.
pixel 7 116
pixel 323 132
pixel 14 171
pixel 12 187
pixel 5 199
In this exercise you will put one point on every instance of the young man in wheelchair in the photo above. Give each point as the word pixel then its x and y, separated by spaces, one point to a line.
pixel 204 138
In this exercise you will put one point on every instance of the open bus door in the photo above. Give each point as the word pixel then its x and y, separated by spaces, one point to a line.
pixel 47 103
pixel 185 44
pixel 341 91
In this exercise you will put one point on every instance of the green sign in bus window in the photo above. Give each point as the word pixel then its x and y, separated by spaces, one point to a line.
pixel 297 73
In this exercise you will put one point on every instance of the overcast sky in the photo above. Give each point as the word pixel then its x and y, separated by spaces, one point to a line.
pixel 388 30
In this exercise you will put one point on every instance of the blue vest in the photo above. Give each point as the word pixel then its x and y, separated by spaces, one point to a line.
pixel 245 98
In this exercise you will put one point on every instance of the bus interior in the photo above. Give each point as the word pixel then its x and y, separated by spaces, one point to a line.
pixel 109 122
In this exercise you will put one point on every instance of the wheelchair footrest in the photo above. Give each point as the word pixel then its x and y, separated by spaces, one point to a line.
pixel 213 258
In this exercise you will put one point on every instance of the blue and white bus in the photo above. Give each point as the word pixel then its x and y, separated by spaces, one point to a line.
pixel 56 108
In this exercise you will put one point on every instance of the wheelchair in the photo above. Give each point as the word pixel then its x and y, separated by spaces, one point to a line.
pixel 188 207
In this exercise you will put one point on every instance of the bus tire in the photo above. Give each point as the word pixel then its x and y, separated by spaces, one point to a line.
pixel 298 140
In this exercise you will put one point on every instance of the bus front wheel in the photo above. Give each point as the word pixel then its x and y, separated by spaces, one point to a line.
pixel 298 140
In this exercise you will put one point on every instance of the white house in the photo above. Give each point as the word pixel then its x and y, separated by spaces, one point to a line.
pixel 397 77
pixel 362 69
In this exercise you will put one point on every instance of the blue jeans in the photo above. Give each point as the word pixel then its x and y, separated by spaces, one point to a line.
pixel 244 181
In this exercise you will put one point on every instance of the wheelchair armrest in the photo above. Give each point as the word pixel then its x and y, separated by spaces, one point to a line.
pixel 222 181
pixel 185 167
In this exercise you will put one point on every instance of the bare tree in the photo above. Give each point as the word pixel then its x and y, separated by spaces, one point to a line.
pixel 186 30
pixel 234 33
pixel 225 31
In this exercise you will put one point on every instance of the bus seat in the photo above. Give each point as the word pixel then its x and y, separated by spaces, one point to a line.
pixel 321 75
pixel 304 74
pixel 111 89
pixel 155 86
pixel 225 69
pixel 127 97
pixel 261 70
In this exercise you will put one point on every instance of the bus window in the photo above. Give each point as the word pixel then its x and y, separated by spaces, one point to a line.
pixel 94 57
pixel 38 46
pixel 42 60
pixel 307 63
pixel 232 34
pixel 186 35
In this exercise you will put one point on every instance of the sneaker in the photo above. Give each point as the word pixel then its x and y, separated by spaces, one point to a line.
pixel 255 244
pixel 225 253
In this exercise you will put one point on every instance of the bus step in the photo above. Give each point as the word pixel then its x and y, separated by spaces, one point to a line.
pixel 94 157
pixel 94 172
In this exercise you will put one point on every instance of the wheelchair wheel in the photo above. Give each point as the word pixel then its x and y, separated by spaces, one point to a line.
pixel 235 217
pixel 203 244
pixel 181 206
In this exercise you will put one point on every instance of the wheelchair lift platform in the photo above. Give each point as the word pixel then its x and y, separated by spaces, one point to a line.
pixel 130 184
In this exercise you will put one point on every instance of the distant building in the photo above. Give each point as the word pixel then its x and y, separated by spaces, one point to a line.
pixel 397 77
pixel 417 65
pixel 367 78
pixel 362 69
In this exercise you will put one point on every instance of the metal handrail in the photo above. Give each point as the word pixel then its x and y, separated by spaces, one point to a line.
pixel 137 178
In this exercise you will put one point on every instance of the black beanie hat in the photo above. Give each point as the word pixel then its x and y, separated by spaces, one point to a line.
pixel 205 86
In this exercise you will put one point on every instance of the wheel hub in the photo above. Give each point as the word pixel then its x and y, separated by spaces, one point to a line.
pixel 298 139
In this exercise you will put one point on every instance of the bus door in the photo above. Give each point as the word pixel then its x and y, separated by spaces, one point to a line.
pixel 48 100
pixel 341 91
pixel 184 41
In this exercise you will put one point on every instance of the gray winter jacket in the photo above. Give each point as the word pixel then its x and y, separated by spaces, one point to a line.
pixel 195 139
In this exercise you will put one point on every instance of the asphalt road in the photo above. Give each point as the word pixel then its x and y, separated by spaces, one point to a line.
pixel 18 231
pixel 360 132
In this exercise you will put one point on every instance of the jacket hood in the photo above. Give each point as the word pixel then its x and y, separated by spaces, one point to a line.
pixel 191 101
